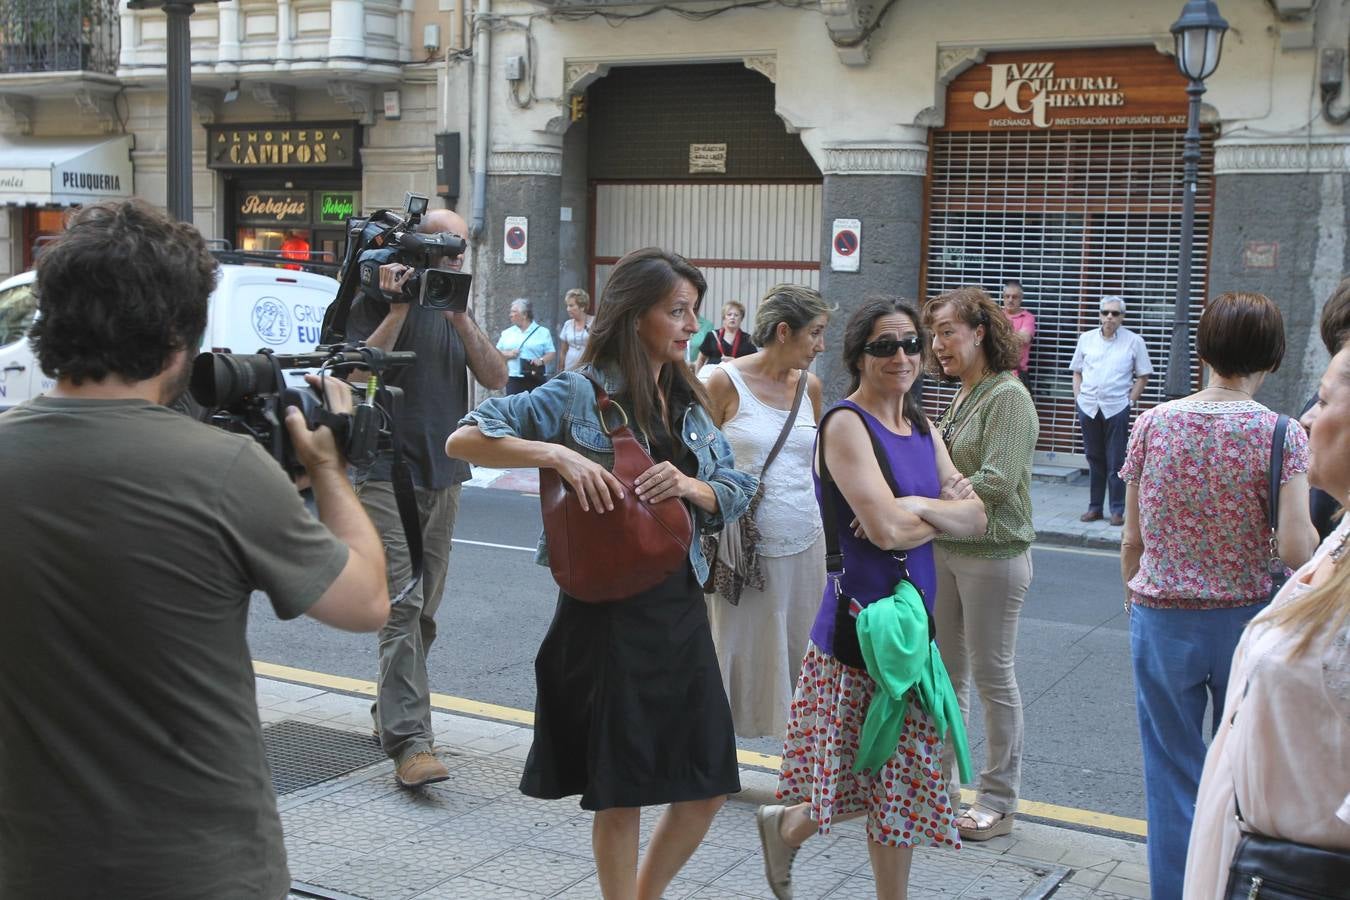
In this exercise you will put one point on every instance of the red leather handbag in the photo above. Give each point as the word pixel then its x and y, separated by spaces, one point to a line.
pixel 634 547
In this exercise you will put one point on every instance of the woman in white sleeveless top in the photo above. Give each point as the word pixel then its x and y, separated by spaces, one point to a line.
pixel 761 640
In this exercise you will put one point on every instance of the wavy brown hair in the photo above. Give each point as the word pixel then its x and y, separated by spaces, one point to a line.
pixel 974 307
pixel 638 282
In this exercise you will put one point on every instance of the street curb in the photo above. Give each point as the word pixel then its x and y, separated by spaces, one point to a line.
pixel 1072 539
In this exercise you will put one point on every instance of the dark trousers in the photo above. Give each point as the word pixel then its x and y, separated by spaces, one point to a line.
pixel 1104 445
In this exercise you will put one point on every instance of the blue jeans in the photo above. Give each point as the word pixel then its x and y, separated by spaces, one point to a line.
pixel 1181 658
pixel 1104 446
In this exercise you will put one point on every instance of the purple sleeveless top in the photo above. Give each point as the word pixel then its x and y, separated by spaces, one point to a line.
pixel 870 573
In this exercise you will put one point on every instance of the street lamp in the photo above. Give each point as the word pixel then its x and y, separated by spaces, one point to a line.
pixel 179 59
pixel 1199 41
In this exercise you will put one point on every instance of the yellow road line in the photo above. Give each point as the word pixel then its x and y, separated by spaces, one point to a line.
pixel 1066 814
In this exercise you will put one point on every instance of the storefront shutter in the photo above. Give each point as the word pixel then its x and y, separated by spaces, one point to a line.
pixel 1074 216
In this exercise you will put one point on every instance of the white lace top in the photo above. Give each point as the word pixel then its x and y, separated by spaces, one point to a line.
pixel 575 337
pixel 788 518
pixel 1284 746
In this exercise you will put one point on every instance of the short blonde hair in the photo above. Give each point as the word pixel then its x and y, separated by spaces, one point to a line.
pixel 583 299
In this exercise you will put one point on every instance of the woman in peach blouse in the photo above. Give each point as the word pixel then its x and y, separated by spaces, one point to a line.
pixel 1282 751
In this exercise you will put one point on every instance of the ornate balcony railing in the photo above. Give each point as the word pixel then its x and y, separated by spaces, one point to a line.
pixel 58 36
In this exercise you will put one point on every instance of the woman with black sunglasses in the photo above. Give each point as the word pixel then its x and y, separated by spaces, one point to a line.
pixel 883 535
pixel 990 428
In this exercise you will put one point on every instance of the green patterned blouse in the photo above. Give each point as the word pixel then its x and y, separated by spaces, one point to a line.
pixel 991 436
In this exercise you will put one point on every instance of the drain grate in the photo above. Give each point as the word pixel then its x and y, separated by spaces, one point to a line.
pixel 302 754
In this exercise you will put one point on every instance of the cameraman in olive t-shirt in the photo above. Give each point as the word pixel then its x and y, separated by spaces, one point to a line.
pixel 131 756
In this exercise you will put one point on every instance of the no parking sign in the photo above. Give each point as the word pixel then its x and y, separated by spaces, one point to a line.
pixel 516 240
pixel 846 245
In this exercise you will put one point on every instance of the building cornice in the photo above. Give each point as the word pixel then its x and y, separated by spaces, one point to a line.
pixel 1317 155
pixel 876 159
pixel 531 161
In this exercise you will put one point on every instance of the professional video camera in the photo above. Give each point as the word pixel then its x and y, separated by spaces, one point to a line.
pixel 248 393
pixel 385 238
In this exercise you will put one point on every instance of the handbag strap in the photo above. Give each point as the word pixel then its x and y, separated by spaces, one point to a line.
pixel 1276 469
pixel 834 558
pixel 787 426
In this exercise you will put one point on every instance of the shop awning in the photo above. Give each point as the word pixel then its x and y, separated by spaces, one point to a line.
pixel 64 171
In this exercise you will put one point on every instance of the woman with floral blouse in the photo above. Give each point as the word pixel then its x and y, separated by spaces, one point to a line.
pixel 1195 554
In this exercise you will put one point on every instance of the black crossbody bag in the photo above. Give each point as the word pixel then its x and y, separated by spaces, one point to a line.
pixel 1277 869
pixel 1279 573
pixel 846 647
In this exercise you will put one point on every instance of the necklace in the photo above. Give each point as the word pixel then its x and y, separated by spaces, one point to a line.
pixel 948 419
pixel 1220 387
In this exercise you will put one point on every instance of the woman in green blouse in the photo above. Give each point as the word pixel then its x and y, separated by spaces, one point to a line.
pixel 990 429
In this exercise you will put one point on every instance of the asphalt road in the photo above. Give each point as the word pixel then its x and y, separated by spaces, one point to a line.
pixel 1082 743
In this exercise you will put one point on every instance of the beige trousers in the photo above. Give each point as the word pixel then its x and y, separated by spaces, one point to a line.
pixel 979 602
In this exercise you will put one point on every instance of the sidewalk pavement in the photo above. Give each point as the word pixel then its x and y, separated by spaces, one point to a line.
pixel 351 831
pixel 1058 498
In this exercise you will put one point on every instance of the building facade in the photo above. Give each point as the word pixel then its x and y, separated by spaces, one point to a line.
pixel 904 148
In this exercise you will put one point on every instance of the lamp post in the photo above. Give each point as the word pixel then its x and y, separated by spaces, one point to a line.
pixel 1199 41
pixel 179 73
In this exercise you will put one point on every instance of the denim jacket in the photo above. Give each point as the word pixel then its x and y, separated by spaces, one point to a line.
pixel 563 411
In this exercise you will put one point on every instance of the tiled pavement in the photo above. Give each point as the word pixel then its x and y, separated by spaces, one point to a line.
pixel 475 836
pixel 1056 505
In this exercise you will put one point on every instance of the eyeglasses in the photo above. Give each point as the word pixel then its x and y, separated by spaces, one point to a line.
pixel 887 347
pixel 1114 313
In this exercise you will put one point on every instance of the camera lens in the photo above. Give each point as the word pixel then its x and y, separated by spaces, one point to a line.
pixel 222 379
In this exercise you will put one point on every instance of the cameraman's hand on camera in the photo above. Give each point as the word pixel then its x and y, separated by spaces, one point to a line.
pixel 318 449
pixel 392 278
pixel 596 486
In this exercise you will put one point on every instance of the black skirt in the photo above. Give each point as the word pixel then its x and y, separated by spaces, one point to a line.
pixel 630 709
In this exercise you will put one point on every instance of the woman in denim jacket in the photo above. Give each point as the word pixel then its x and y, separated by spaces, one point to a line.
pixel 630 710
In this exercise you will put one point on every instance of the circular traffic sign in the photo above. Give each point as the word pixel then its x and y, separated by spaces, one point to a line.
pixel 515 237
pixel 846 243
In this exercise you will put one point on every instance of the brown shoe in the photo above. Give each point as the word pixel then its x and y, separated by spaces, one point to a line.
pixel 419 769
pixel 1117 519
pixel 1090 516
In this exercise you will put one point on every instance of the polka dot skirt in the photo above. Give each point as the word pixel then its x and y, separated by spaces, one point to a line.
pixel 906 801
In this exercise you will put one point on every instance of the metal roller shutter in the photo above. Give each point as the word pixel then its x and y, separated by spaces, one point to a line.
pixel 744 237
pixel 1074 216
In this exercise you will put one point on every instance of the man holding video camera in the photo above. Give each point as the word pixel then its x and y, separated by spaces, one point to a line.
pixel 131 762
pixel 449 344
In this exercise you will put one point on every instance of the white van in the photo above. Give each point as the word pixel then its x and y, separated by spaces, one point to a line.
pixel 251 308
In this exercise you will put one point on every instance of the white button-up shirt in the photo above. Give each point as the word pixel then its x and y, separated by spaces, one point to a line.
pixel 1109 367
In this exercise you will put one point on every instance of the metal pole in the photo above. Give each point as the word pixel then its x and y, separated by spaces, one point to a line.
pixel 180 110
pixel 1179 355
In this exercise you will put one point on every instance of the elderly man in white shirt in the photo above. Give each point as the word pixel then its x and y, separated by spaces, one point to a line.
pixel 1110 368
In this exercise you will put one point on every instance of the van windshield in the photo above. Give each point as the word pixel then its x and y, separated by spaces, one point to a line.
pixel 18 306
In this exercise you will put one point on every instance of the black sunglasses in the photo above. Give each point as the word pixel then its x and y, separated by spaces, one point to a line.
pixel 1112 312
pixel 887 347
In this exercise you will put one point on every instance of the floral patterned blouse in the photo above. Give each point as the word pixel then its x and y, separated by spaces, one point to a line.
pixel 1202 469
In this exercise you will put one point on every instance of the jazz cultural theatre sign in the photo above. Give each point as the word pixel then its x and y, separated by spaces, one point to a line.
pixel 1115 87
pixel 302 146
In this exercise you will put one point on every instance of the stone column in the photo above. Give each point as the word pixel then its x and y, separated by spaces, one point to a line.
pixel 522 181
pixel 1280 229
pixel 882 184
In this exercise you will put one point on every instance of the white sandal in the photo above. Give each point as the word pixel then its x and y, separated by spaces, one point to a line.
pixel 986 824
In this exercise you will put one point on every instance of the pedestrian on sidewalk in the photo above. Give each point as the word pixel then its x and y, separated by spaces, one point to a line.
pixel 728 342
pixel 760 632
pixel 1194 554
pixel 1110 370
pixel 576 331
pixel 527 348
pixel 630 710
pixel 131 755
pixel 1334 326
pixel 906 798
pixel 990 428
pixel 1023 325
pixel 449 346
pixel 1279 756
